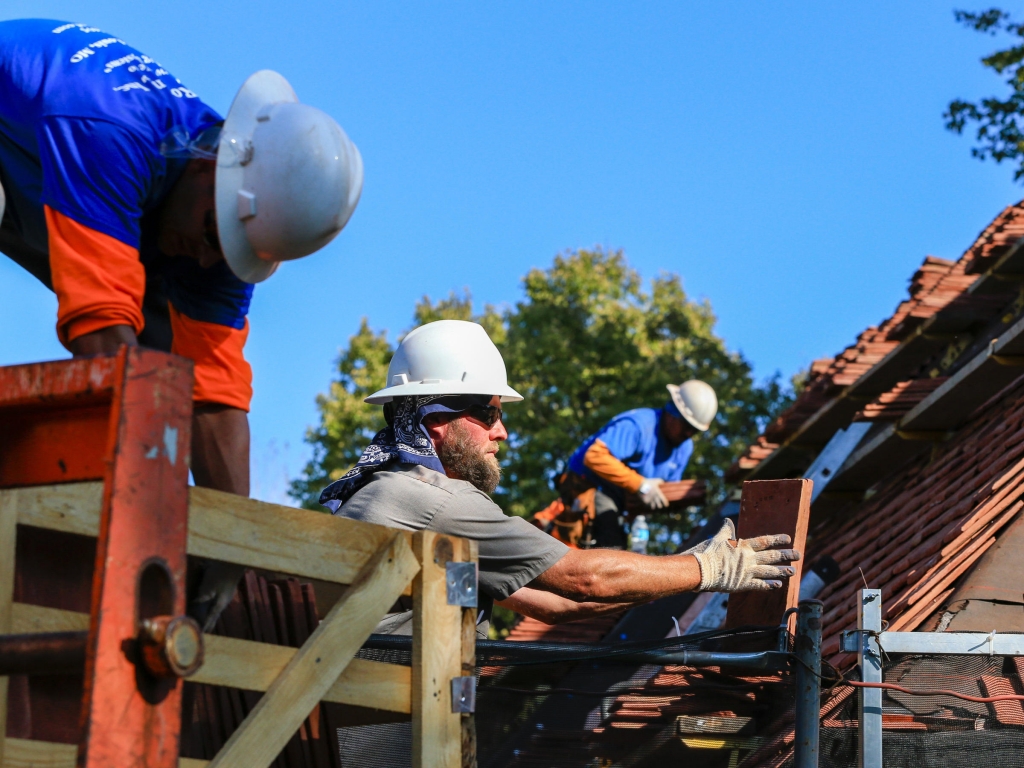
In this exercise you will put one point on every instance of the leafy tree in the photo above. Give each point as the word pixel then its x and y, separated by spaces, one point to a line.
pixel 586 342
pixel 1000 133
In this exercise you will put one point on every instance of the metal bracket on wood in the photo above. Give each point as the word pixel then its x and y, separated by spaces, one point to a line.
pixel 464 695
pixel 461 580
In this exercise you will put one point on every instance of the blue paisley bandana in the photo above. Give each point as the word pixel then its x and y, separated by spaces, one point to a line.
pixel 403 441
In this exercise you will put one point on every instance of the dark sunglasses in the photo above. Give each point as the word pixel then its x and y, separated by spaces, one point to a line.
pixel 488 415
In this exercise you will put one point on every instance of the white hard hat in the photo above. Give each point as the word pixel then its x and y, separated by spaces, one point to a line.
pixel 446 357
pixel 696 401
pixel 288 178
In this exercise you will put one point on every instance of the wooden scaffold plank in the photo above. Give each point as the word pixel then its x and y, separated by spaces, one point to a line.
pixel 436 657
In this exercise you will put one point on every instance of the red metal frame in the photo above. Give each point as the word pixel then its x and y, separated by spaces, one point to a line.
pixel 125 419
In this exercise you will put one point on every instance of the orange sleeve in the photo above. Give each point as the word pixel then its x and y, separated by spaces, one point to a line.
pixel 222 374
pixel 99 281
pixel 599 460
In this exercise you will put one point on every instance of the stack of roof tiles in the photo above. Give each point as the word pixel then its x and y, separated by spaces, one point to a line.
pixel 898 401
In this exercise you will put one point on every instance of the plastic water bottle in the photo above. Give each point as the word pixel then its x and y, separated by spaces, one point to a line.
pixel 639 535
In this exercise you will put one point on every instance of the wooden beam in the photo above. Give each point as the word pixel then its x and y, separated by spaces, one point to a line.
pixel 768 507
pixel 470 552
pixel 24 753
pixel 436 656
pixel 318 664
pixel 226 527
pixel 28 619
pixel 8 532
pixel 68 507
pixel 252 666
pixel 255 666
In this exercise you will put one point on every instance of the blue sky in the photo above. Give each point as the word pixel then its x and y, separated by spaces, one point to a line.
pixel 787 159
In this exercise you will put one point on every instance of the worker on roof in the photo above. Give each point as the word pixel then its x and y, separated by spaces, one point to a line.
pixel 435 463
pixel 634 454
pixel 151 217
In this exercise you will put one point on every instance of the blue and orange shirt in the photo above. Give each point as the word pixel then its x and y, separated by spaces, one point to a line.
pixel 82 118
pixel 627 449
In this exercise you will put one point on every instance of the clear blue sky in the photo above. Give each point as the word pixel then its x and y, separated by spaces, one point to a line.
pixel 787 159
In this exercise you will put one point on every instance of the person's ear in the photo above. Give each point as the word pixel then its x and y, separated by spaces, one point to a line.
pixel 437 427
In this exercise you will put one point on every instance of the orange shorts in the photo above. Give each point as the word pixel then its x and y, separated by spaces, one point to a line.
pixel 100 282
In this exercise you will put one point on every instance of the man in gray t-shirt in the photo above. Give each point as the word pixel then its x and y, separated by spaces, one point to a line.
pixel 435 463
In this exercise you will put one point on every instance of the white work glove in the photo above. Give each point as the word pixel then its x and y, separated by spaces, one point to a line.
pixel 752 565
pixel 215 592
pixel 650 493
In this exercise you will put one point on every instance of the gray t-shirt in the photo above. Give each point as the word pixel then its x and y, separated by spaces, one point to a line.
pixel 512 552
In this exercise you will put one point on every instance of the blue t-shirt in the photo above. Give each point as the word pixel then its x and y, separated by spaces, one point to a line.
pixel 635 439
pixel 82 117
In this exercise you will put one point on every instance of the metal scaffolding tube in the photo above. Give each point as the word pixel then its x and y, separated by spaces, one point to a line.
pixel 808 683
pixel 869 622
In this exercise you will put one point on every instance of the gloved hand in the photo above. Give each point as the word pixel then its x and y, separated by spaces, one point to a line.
pixel 749 566
pixel 650 493
pixel 216 589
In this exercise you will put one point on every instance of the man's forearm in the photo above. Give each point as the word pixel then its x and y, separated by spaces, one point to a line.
pixel 554 609
pixel 614 576
pixel 220 448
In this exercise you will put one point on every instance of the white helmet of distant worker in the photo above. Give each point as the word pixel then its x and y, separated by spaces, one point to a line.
pixel 696 401
pixel 288 178
pixel 446 357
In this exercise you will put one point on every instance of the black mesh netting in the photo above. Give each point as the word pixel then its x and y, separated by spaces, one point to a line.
pixel 542 704
pixel 940 730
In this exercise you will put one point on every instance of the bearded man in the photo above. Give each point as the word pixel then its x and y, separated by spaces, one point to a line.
pixel 435 464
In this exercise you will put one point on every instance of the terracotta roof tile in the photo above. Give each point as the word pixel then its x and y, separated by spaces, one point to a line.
pixel 900 400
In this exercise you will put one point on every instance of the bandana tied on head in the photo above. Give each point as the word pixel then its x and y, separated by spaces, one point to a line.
pixel 403 441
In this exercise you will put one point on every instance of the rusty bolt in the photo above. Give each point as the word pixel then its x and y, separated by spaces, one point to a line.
pixel 171 646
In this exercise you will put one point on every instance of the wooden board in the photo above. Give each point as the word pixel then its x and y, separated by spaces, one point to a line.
pixel 226 527
pixel 23 753
pixel 436 656
pixel 769 507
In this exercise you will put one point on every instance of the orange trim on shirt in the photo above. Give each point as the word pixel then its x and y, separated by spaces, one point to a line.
pixel 99 281
pixel 599 460
pixel 222 374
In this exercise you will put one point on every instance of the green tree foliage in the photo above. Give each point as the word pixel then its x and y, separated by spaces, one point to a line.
pixel 586 342
pixel 1000 132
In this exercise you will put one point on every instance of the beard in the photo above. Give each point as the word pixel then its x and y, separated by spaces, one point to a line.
pixel 464 460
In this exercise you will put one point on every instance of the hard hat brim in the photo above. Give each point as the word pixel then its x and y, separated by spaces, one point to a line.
pixel 507 394
pixel 673 390
pixel 258 91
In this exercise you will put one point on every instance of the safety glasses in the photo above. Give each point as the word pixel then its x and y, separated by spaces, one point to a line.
pixel 488 415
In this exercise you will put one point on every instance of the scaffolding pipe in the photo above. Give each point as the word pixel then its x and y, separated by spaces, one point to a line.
pixel 46 653
pixel 807 646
